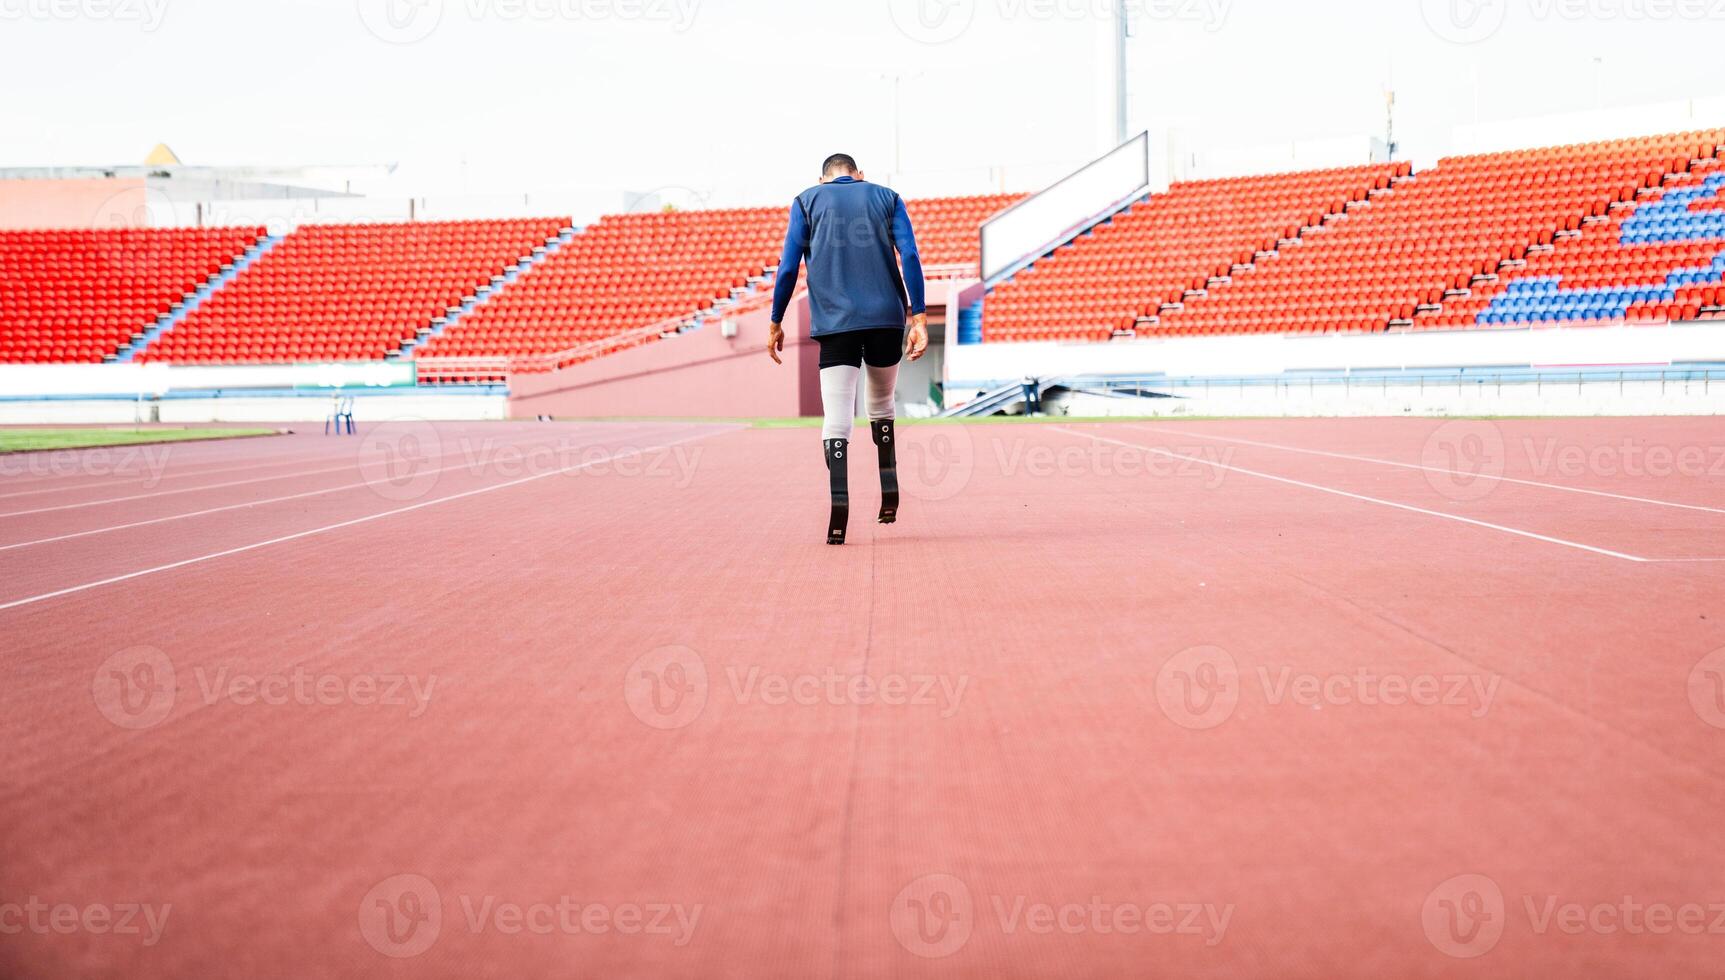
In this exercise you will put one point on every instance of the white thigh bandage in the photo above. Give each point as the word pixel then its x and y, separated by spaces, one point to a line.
pixel 882 383
pixel 839 400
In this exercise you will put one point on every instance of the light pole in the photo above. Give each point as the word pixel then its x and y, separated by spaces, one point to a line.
pixel 898 78
pixel 1121 34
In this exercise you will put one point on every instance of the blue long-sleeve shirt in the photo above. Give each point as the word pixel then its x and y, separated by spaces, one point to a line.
pixel 848 232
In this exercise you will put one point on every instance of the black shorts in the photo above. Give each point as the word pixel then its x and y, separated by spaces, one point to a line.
pixel 882 348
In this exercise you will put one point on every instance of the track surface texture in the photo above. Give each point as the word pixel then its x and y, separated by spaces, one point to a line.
pixel 1365 698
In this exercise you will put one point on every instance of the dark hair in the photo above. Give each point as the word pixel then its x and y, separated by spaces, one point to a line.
pixel 839 161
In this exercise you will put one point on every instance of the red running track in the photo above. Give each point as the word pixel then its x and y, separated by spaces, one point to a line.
pixel 1303 698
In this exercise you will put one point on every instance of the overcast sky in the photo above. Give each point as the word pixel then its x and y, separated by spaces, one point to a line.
pixel 740 99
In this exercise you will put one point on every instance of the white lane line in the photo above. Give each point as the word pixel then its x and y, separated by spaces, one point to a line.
pixel 258 461
pixel 174 493
pixel 29 600
pixel 1435 469
pixel 468 464
pixel 352 463
pixel 74 485
pixel 1356 496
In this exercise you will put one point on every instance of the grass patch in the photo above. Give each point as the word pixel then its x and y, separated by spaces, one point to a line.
pixel 39 440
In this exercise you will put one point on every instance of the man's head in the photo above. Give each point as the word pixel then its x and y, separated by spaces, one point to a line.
pixel 840 165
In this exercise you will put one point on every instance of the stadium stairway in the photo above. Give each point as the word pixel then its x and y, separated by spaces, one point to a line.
pixel 179 313
pixel 485 293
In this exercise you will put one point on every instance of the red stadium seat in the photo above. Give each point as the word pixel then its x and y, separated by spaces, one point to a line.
pixel 79 296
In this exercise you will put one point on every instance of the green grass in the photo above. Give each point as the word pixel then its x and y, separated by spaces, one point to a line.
pixel 35 440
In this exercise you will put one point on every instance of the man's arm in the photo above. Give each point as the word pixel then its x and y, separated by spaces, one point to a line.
pixel 904 236
pixel 790 261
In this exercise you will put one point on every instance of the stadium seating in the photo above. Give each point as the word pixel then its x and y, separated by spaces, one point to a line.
pixel 1623 231
pixel 348 292
pixel 79 296
pixel 633 271
pixel 1160 248
pixel 1660 260
pixel 948 228
pixel 1419 246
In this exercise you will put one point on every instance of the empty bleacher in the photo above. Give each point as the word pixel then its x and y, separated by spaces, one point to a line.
pixel 1621 231
pixel 348 292
pixel 1155 252
pixel 79 296
pixel 1660 260
pixel 1400 260
pixel 635 275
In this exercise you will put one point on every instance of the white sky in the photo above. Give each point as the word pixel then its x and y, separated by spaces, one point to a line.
pixel 740 99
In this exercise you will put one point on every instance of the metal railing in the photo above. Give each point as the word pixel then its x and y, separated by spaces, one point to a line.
pixel 1006 397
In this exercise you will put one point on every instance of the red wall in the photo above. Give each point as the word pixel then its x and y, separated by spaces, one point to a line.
pixel 697 375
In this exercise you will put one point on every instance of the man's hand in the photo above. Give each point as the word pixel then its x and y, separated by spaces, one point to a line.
pixel 776 343
pixel 916 338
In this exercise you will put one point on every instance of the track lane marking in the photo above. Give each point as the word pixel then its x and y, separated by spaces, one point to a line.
pixel 1438 469
pixel 351 464
pixel 1362 497
pixel 259 461
pixel 74 485
pixel 73 590
pixel 239 506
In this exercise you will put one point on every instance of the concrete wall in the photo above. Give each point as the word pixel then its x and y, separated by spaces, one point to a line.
pixel 699 374
pixel 974 367
pixel 74 204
